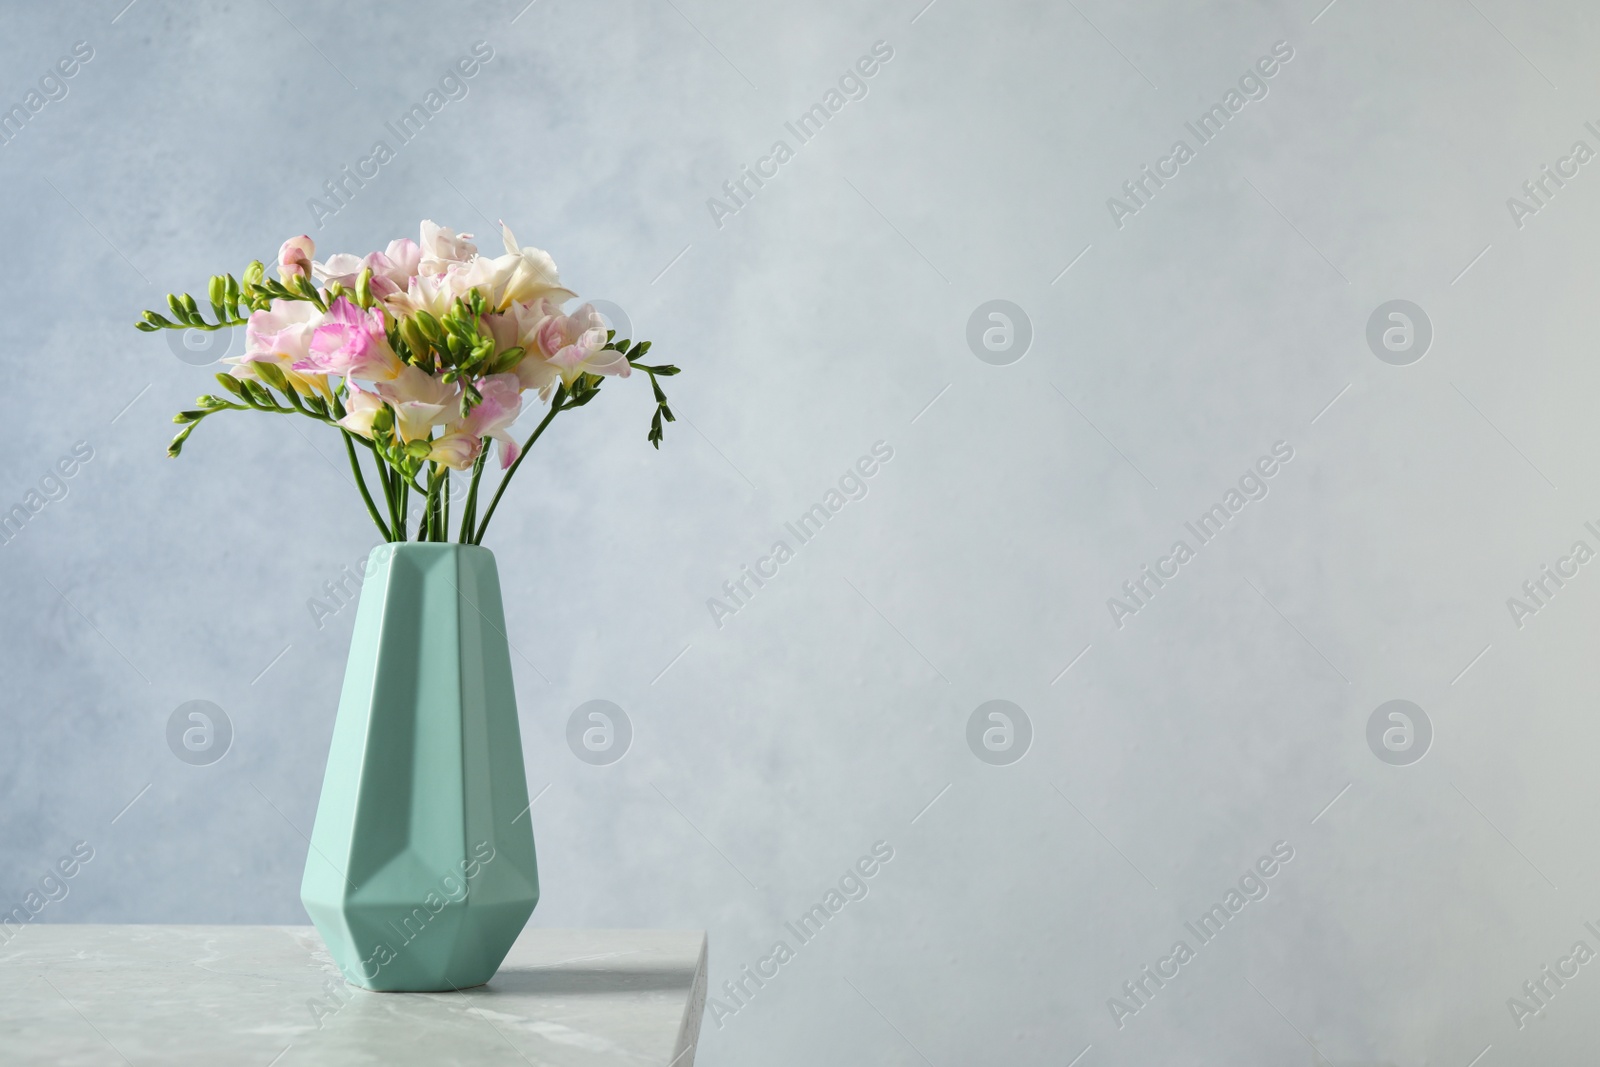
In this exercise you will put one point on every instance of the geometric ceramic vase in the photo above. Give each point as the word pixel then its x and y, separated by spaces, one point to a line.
pixel 421 872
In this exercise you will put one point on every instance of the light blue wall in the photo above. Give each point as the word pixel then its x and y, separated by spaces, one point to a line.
pixel 1220 318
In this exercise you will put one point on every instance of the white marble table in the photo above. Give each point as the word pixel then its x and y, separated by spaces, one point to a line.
pixel 259 995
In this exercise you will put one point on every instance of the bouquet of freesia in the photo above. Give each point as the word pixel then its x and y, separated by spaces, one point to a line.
pixel 420 354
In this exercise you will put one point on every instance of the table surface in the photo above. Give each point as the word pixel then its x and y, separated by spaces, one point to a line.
pixel 270 995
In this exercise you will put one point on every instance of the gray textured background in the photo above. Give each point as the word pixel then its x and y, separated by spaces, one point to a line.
pixel 823 317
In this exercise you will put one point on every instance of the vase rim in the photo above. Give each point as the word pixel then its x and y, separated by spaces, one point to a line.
pixel 413 547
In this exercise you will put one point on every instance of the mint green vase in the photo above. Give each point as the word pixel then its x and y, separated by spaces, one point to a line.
pixel 421 872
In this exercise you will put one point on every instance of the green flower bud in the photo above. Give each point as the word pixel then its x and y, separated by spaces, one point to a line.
pixel 507 360
pixel 256 394
pixel 273 375
pixel 414 339
pixel 177 442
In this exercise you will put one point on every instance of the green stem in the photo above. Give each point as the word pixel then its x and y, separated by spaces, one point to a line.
pixel 469 508
pixel 361 483
pixel 444 509
pixel 555 409
pixel 425 520
pixel 433 509
pixel 391 489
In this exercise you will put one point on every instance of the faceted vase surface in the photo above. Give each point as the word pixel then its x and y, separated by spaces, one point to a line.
pixel 421 871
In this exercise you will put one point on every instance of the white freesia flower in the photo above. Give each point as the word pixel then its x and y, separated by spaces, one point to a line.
pixel 533 276
pixel 442 246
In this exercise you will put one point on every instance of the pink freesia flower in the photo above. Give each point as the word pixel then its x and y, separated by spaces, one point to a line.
pixel 420 401
pixel 442 246
pixel 437 293
pixel 341 267
pixel 281 334
pixel 575 344
pixel 458 447
pixel 352 343
pixel 361 407
pixel 404 256
pixel 494 414
pixel 518 326
pixel 457 450
pixel 294 257
pixel 392 269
